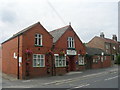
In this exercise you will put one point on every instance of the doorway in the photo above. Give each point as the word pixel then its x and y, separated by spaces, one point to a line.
pixel 72 65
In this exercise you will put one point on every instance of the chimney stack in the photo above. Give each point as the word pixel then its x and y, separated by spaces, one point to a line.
pixel 114 37
pixel 102 35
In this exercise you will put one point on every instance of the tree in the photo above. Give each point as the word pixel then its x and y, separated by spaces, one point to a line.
pixel 118 59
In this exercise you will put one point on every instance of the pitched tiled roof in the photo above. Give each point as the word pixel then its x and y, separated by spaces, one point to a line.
pixel 94 51
pixel 21 32
pixel 106 40
pixel 58 33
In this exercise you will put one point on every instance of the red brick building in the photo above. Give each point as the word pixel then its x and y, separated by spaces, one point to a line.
pixel 110 46
pixel 97 58
pixel 35 52
pixel 23 55
pixel 68 49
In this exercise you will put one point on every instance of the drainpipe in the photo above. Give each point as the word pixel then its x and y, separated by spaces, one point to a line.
pixel 18 58
pixel 53 64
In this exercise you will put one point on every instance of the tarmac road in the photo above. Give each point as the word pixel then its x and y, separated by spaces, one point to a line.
pixel 96 78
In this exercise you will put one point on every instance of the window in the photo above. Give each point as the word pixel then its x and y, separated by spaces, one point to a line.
pixel 98 57
pixel 94 60
pixel 81 60
pixel 60 61
pixel 105 57
pixel 114 47
pixel 71 43
pixel 38 60
pixel 107 46
pixel 38 39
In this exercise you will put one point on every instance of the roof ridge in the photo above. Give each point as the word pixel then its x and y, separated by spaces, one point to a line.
pixel 59 28
pixel 21 31
pixel 107 39
pixel 30 26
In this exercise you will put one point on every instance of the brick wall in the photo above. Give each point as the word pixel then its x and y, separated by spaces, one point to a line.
pixel 62 44
pixel 29 42
pixel 106 63
pixel 9 63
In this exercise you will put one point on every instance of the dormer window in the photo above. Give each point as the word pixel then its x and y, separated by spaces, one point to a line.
pixel 71 43
pixel 38 39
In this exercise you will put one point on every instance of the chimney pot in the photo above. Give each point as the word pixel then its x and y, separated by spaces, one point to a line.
pixel 114 37
pixel 102 35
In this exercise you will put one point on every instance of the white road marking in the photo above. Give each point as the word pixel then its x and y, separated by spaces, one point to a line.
pixel 27 81
pixel 58 82
pixel 111 78
pixel 82 85
pixel 71 73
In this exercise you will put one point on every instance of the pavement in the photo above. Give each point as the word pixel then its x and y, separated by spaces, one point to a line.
pixel 78 77
pixel 67 75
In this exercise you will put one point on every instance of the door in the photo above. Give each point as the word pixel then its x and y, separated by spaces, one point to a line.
pixel 72 66
pixel 50 65
pixel 88 63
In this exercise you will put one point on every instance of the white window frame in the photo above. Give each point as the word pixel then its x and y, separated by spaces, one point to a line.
pixel 39 39
pixel 98 57
pixel 38 59
pixel 105 57
pixel 107 46
pixel 94 60
pixel 71 42
pixel 57 61
pixel 81 60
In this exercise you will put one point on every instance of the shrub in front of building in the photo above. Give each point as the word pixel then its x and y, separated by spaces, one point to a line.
pixel 118 60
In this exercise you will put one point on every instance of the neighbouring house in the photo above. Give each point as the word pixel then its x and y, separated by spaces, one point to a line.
pixel 25 53
pixel 97 58
pixel 69 51
pixel 110 46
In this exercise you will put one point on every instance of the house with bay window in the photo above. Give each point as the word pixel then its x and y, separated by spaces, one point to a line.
pixel 69 51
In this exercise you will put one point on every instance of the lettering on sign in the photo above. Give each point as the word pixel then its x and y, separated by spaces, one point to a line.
pixel 71 52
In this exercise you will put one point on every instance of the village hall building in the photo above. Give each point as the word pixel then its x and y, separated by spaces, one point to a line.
pixel 35 52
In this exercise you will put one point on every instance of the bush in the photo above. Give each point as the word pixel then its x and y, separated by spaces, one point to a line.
pixel 118 59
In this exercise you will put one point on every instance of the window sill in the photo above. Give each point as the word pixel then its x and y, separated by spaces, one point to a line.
pixel 38 46
pixel 61 67
pixel 81 64
pixel 37 67
pixel 72 48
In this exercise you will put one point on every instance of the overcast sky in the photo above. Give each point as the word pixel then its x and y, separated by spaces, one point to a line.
pixel 88 17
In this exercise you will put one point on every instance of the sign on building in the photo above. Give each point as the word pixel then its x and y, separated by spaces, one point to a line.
pixel 71 52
